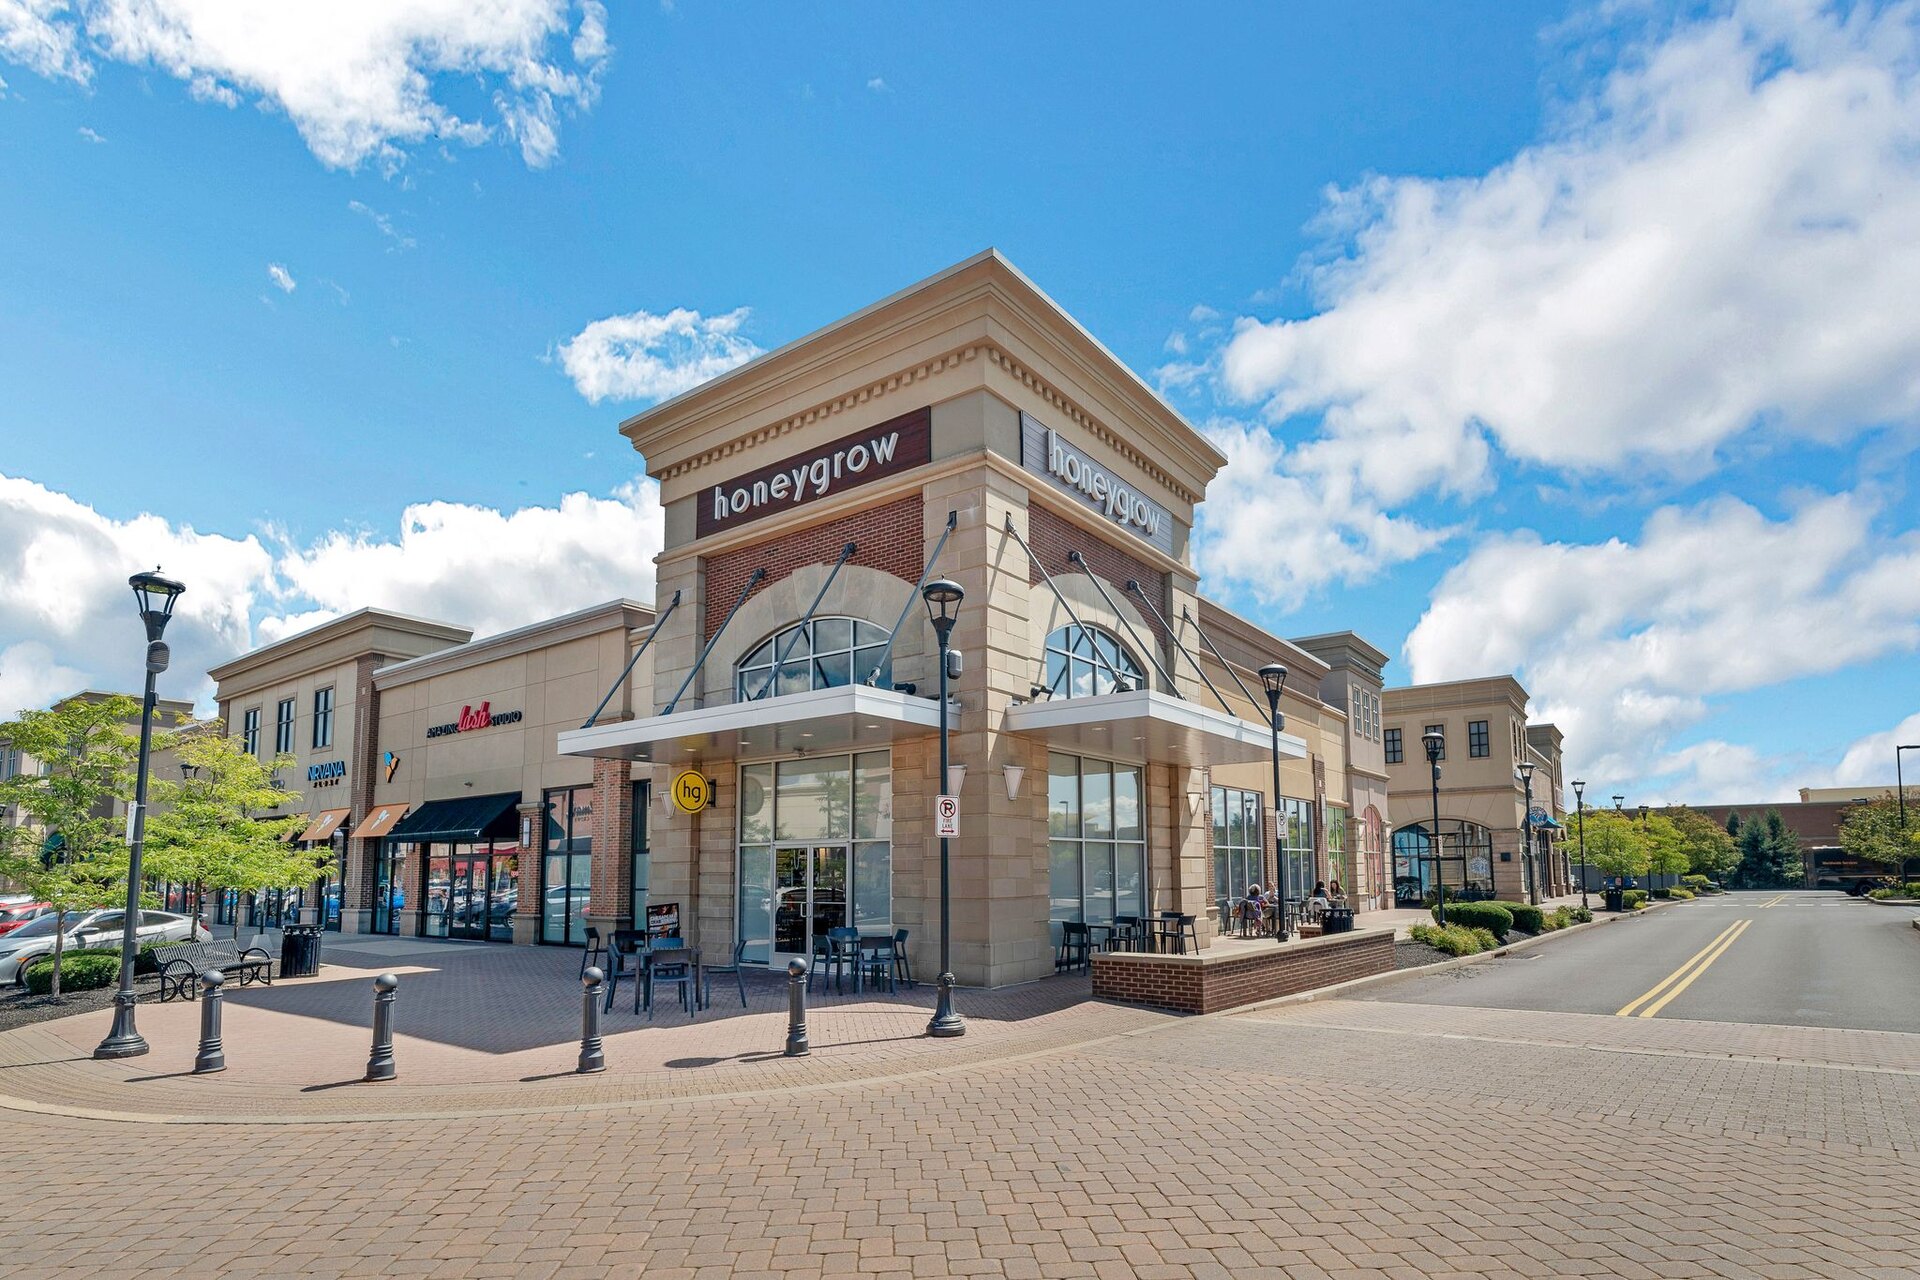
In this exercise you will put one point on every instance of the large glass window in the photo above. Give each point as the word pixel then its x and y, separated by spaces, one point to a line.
pixel 283 726
pixel 823 653
pixel 800 821
pixel 1393 746
pixel 1085 661
pixel 1339 870
pixel 322 718
pixel 1479 741
pixel 1464 861
pixel 568 866
pixel 642 857
pixel 1239 849
pixel 1096 822
pixel 1296 845
pixel 250 731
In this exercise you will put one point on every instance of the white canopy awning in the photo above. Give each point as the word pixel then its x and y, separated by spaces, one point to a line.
pixel 1149 727
pixel 850 717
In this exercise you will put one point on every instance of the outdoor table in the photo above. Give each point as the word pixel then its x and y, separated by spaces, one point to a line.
pixel 1094 940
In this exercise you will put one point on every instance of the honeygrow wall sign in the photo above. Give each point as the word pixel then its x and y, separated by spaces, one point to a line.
pixel 1045 454
pixel 851 461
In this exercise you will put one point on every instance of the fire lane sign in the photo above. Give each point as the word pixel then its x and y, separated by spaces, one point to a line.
pixel 946 816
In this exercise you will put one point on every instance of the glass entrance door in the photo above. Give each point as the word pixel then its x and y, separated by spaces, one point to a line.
pixel 468 897
pixel 809 896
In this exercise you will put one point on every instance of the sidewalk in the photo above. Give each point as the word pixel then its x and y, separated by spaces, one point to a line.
pixel 484 1030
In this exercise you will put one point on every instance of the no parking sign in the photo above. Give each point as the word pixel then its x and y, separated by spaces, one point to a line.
pixel 946 816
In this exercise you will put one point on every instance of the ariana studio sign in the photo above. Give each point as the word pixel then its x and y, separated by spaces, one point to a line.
pixel 1044 453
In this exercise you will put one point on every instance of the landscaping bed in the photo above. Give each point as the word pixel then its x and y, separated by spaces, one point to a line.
pixel 20 1008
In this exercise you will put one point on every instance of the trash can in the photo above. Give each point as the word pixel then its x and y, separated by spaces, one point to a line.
pixel 300 951
pixel 1616 898
pixel 1337 920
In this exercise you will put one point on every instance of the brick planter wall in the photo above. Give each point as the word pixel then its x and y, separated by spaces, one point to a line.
pixel 1225 979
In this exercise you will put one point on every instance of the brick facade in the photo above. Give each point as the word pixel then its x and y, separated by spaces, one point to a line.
pixel 610 897
pixel 888 538
pixel 1220 979
pixel 360 875
pixel 1052 537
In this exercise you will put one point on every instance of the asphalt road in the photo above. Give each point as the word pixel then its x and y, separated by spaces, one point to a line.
pixel 1803 958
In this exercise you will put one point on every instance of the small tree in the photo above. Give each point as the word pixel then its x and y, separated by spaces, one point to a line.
pixel 1710 850
pixel 1770 854
pixel 1666 850
pixel 1614 847
pixel 70 852
pixel 1870 831
pixel 203 831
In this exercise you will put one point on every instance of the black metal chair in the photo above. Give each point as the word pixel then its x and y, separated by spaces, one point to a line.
pixel 596 952
pixel 1076 947
pixel 739 980
pixel 675 966
pixel 626 958
pixel 878 962
pixel 902 966
pixel 1125 935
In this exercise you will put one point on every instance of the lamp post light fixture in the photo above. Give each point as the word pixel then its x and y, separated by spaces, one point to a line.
pixel 1273 677
pixel 156 596
pixel 1580 814
pixel 943 597
pixel 1526 825
pixel 1435 742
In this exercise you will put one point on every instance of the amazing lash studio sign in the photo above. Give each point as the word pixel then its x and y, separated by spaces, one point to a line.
pixel 846 463
pixel 1045 454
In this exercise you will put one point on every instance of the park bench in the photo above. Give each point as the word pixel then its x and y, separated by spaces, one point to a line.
pixel 182 963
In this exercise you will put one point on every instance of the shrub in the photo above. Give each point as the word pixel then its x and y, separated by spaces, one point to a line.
pixel 1634 899
pixel 1491 916
pixel 1581 915
pixel 1525 916
pixel 1695 882
pixel 1453 939
pixel 1911 889
pixel 1680 895
pixel 86 970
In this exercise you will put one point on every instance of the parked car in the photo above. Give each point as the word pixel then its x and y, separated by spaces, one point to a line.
pixel 96 928
pixel 13 915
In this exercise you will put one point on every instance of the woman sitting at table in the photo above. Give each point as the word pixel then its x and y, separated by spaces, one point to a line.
pixel 1253 910
pixel 1334 891
pixel 1318 904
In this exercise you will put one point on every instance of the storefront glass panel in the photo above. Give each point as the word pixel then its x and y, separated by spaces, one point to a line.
pixel 568 866
pixel 814 852
pixel 1094 870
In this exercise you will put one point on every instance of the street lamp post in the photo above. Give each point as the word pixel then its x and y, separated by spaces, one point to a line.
pixel 943 597
pixel 1274 677
pixel 1580 815
pixel 1900 790
pixel 156 596
pixel 1435 742
pixel 1526 825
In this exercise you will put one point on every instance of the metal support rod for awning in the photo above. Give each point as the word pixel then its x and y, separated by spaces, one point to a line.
pixel 1118 679
pixel 1134 586
pixel 800 628
pixel 701 661
pixel 628 669
pixel 1165 679
pixel 953 518
pixel 1189 618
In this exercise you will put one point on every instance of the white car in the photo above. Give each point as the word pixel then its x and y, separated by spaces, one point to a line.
pixel 98 928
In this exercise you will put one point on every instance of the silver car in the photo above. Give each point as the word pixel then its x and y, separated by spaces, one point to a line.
pixel 96 928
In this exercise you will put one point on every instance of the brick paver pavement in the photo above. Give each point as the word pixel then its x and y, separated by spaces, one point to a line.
pixel 1333 1140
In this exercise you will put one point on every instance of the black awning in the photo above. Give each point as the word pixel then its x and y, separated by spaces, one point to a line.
pixel 461 821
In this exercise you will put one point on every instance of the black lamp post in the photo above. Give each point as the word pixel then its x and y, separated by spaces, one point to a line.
pixel 1650 872
pixel 1526 826
pixel 156 596
pixel 1435 742
pixel 1580 808
pixel 1900 790
pixel 943 597
pixel 1274 677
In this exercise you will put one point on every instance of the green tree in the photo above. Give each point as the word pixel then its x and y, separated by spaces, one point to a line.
pixel 70 850
pixel 1770 853
pixel 1870 831
pixel 1614 847
pixel 1666 848
pixel 204 830
pixel 1710 850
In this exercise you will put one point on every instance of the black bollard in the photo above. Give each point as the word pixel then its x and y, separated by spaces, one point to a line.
pixel 592 1057
pixel 380 1062
pixel 797 1008
pixel 213 1055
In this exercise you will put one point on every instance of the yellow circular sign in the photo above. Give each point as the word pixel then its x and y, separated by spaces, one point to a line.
pixel 691 791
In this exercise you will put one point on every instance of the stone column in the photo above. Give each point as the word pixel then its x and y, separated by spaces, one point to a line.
pixel 533 872
pixel 360 876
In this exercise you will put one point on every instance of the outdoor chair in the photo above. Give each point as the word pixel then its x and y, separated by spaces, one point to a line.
pixel 739 979
pixel 902 966
pixel 596 952
pixel 1126 934
pixel 878 961
pixel 820 961
pixel 1182 930
pixel 1076 947
pixel 843 953
pixel 625 959
pixel 674 967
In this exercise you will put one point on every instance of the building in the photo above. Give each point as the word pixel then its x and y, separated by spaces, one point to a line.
pixel 757 762
pixel 1815 820
pixel 168 714
pixel 1484 819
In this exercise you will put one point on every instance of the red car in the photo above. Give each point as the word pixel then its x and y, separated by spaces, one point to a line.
pixel 17 914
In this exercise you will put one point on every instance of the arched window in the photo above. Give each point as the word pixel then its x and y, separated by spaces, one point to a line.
pixel 822 653
pixel 1082 662
pixel 1464 862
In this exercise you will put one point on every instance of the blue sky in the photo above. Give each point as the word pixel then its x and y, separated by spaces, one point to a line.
pixel 1542 339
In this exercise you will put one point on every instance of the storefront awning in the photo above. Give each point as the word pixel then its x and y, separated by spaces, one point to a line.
pixel 1149 727
pixel 839 719
pixel 379 822
pixel 321 829
pixel 462 821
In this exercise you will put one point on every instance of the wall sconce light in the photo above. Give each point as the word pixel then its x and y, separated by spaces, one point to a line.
pixel 1013 773
pixel 1196 802
pixel 956 778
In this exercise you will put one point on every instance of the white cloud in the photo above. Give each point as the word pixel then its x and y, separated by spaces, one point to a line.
pixel 877 85
pixel 89 135
pixel 281 277
pixel 1719 242
pixel 643 356
pixel 1624 644
pixel 1869 760
pixel 67 618
pixel 358 78
pixel 385 225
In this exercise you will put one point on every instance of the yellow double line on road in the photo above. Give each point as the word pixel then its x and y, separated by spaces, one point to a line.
pixel 1682 978
pixel 1771 902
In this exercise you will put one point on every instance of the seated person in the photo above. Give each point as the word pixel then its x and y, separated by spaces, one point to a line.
pixel 1253 909
pixel 1317 905
pixel 1334 890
